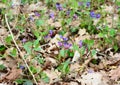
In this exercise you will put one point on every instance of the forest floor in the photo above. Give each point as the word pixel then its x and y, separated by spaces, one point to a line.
pixel 59 42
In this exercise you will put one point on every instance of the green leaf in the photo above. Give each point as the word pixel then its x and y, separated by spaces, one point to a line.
pixel 89 43
pixel 115 47
pixel 28 47
pixel 39 22
pixel 70 54
pixel 112 32
pixel 93 52
pixel 4 1
pixel 20 81
pixel 101 35
pixel 39 59
pixel 62 52
pixel 44 77
pixel 13 53
pixel 2 48
pixel 36 33
pixel 33 69
pixel 64 67
pixel 2 67
pixel 28 83
pixel 8 40
pixel 75 47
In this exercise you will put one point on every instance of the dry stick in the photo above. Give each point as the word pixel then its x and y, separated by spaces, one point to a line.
pixel 21 54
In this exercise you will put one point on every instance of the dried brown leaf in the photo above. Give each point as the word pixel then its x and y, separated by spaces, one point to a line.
pixel 14 74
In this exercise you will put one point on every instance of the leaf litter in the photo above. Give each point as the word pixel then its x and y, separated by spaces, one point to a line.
pixel 54 63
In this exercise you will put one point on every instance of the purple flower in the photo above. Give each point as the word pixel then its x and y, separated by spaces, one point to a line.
pixel 68 12
pixel 75 16
pixel 60 44
pixel 36 14
pixel 59 6
pixel 67 45
pixel 80 3
pixel 47 36
pixel 31 18
pixel 98 15
pixel 22 67
pixel 51 32
pixel 80 43
pixel 92 14
pixel 24 40
pixel 61 36
pixel 65 38
pixel 52 15
pixel 88 4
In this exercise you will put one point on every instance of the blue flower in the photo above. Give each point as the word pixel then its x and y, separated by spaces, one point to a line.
pixel 92 14
pixel 75 16
pixel 67 45
pixel 80 43
pixel 36 14
pixel 22 67
pixel 68 12
pixel 65 38
pixel 80 3
pixel 24 40
pixel 60 44
pixel 31 18
pixel 98 15
pixel 52 15
pixel 88 4
pixel 59 6
pixel 50 32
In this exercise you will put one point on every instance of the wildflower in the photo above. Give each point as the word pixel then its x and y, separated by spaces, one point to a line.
pixel 24 40
pixel 67 45
pixel 88 4
pixel 51 32
pixel 61 36
pixel 80 3
pixel 97 15
pixel 75 16
pixel 92 14
pixel 60 43
pixel 59 6
pixel 80 43
pixel 22 67
pixel 68 12
pixel 52 15
pixel 65 38
pixel 36 14
pixel 31 18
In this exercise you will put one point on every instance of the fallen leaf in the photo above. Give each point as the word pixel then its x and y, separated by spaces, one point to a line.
pixel 115 74
pixel 14 74
pixel 95 78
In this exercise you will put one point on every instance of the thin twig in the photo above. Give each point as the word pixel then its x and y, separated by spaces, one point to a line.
pixel 21 54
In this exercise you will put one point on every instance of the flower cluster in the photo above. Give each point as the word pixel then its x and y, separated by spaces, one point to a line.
pixel 59 6
pixel 93 15
pixel 64 43
pixel 81 3
pixel 50 34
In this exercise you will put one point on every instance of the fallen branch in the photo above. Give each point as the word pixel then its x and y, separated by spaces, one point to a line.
pixel 21 54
